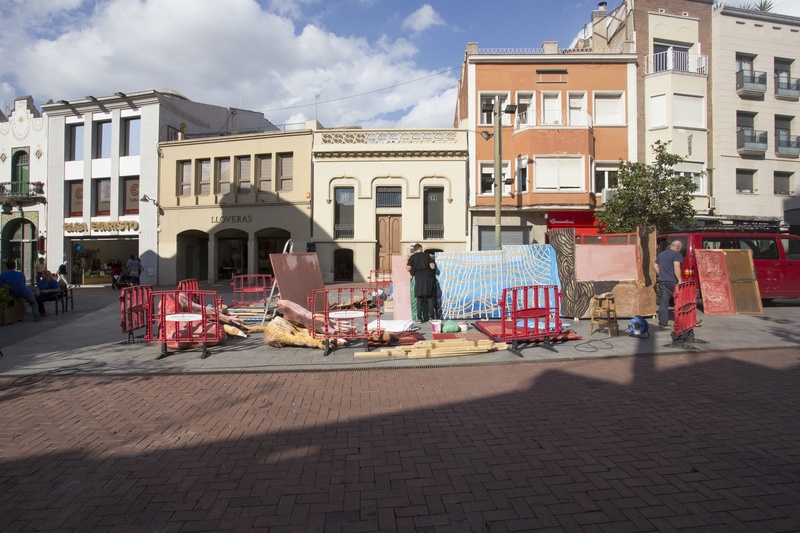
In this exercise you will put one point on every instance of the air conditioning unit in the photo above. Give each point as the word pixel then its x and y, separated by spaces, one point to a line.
pixel 712 202
pixel 608 194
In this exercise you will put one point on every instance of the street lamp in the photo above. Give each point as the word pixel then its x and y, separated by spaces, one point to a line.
pixel 497 117
pixel 146 199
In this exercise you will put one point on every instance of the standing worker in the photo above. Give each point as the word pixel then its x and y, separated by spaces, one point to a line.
pixel 668 269
pixel 422 267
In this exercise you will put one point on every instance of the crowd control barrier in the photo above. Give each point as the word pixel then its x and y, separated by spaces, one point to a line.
pixel 250 289
pixel 530 314
pixel 184 317
pixel 188 285
pixel 133 306
pixel 344 313
pixel 685 319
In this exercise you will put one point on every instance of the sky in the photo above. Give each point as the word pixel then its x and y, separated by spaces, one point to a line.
pixel 369 63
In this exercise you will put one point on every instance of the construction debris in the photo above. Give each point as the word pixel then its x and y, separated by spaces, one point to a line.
pixel 443 348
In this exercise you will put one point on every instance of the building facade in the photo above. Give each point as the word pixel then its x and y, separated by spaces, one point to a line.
pixel 571 121
pixel 378 192
pixel 104 164
pixel 23 172
pixel 756 90
pixel 229 202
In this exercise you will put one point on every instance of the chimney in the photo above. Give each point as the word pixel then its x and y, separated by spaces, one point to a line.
pixel 600 12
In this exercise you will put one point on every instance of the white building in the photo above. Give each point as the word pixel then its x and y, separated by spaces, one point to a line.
pixel 105 158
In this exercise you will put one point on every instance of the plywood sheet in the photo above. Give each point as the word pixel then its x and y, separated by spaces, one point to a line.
pixel 401 288
pixel 605 262
pixel 744 284
pixel 297 275
pixel 712 271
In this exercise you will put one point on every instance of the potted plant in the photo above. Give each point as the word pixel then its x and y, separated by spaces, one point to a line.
pixel 37 187
pixel 7 311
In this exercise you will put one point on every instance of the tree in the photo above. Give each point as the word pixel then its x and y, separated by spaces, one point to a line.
pixel 650 195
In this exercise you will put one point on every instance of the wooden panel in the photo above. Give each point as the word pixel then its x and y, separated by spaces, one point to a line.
pixel 744 284
pixel 297 275
pixel 712 271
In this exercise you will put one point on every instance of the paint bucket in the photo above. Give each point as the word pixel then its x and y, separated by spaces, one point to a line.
pixel 463 326
pixel 436 326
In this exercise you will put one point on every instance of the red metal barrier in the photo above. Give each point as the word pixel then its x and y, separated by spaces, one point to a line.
pixel 381 278
pixel 345 313
pixel 250 289
pixel 685 298
pixel 184 317
pixel 530 314
pixel 133 306
pixel 188 285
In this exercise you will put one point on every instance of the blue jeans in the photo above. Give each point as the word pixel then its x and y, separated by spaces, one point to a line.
pixel 665 290
pixel 34 304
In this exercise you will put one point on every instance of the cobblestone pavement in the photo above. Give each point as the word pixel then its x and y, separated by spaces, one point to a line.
pixel 696 441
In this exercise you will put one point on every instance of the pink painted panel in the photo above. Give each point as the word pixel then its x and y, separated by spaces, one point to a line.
pixel 605 262
pixel 401 288
pixel 297 275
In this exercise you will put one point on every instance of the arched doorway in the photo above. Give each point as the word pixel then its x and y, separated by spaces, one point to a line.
pixel 343 265
pixel 19 244
pixel 231 253
pixel 192 259
pixel 270 241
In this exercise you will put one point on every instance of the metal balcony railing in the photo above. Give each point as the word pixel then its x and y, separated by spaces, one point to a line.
pixel 676 61
pixel 751 142
pixel 751 83
pixel 788 145
pixel 787 87
pixel 21 189
pixel 343 231
pixel 433 231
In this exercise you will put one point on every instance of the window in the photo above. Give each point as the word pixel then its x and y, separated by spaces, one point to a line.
pixel 791 247
pixel 745 180
pixel 389 197
pixel 783 132
pixel 344 213
pixel 264 172
pixel 487 178
pixel 577 109
pixel 762 247
pixel 718 243
pixel 130 198
pixel 558 174
pixel 203 186
pixel 783 73
pixel 285 172
pixel 688 111
pixel 102 140
pixel 526 110
pixel 223 175
pixel 698 178
pixel 433 213
pixel 522 174
pixel 487 117
pixel 131 136
pixel 243 174
pixel 75 142
pixel 21 169
pixel 75 195
pixel 184 178
pixel 102 197
pixel 744 63
pixel 782 183
pixel 657 115
pixel 668 56
pixel 605 178
pixel 609 109
pixel 551 106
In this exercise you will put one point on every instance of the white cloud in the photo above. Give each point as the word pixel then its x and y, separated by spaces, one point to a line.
pixel 422 19
pixel 231 53
pixel 787 7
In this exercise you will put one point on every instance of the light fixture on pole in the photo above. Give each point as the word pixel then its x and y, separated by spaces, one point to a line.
pixel 146 199
pixel 497 117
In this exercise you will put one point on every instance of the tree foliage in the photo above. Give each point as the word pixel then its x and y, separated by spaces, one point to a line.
pixel 650 195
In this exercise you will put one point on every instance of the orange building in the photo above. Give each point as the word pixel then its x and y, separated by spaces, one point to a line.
pixel 568 117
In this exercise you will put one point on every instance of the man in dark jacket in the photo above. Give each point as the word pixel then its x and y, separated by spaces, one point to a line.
pixel 422 267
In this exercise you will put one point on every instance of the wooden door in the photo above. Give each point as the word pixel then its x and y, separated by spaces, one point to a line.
pixel 389 236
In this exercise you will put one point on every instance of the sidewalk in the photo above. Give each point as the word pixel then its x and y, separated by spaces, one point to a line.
pixel 89 339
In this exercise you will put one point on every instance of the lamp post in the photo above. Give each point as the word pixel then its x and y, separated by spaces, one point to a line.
pixel 497 118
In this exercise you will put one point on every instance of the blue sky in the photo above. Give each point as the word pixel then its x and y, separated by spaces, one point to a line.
pixel 370 63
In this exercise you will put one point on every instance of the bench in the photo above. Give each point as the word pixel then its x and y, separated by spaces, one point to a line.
pixel 65 298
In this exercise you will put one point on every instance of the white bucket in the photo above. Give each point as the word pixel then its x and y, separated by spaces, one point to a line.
pixel 436 326
pixel 463 326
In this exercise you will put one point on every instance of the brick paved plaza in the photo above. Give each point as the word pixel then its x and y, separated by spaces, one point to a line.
pixel 705 441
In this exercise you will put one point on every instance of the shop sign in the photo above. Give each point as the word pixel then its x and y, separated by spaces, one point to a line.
pixel 121 225
pixel 231 218
pixel 570 219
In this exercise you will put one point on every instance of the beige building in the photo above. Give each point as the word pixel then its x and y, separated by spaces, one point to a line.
pixel 756 90
pixel 378 192
pixel 229 202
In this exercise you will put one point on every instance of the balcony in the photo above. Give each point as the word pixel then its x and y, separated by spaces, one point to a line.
pixel 674 61
pixel 751 142
pixel 787 146
pixel 344 231
pixel 751 84
pixel 543 119
pixel 787 88
pixel 433 231
pixel 22 193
